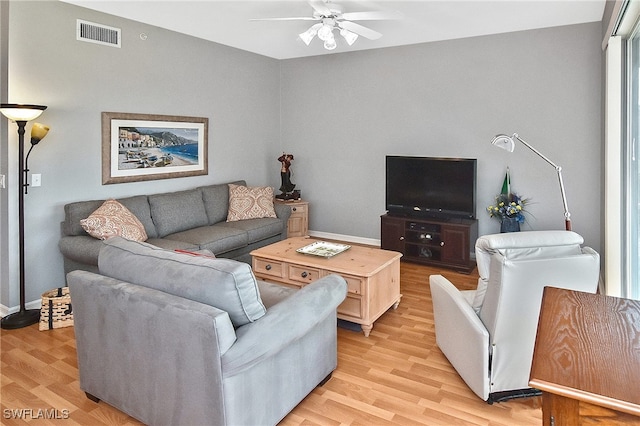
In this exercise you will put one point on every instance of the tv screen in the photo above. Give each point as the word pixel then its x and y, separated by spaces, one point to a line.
pixel 431 187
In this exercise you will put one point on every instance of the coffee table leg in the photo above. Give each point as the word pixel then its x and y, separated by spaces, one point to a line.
pixel 366 329
pixel 395 305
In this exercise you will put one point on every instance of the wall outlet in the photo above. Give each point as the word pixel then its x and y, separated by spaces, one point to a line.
pixel 36 179
pixel 2 182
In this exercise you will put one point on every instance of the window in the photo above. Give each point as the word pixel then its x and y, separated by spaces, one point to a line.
pixel 622 172
pixel 631 174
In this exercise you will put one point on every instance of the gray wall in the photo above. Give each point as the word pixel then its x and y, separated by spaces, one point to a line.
pixel 338 114
pixel 168 73
pixel 341 114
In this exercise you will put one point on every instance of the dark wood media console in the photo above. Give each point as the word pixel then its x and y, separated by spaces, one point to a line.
pixel 444 242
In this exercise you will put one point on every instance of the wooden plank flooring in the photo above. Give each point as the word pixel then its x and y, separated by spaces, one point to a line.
pixel 396 376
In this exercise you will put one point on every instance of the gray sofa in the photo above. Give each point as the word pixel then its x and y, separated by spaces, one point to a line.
pixel 194 219
pixel 178 339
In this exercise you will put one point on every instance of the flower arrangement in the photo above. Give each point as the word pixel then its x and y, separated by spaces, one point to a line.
pixel 508 206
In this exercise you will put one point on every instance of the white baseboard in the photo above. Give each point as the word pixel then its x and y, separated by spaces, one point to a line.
pixel 347 238
pixel 4 310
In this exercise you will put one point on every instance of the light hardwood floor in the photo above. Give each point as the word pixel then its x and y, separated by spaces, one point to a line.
pixel 396 376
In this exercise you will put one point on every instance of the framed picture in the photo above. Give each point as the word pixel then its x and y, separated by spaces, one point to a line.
pixel 138 147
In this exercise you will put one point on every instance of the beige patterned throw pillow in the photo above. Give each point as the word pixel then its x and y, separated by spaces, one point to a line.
pixel 250 202
pixel 111 219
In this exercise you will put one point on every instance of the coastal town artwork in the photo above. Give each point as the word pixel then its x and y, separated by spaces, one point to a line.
pixel 143 147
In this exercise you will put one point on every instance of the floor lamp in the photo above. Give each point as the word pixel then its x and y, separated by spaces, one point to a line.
pixel 21 114
pixel 508 143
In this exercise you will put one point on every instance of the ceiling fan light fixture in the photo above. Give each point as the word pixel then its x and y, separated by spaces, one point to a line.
pixel 326 30
pixel 330 17
pixel 349 36
pixel 330 44
pixel 308 35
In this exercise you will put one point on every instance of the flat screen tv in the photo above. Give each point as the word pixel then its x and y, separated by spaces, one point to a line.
pixel 431 187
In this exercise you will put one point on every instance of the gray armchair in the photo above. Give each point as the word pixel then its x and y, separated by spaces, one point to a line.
pixel 191 340
pixel 488 334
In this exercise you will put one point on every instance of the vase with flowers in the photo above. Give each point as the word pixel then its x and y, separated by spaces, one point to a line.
pixel 509 209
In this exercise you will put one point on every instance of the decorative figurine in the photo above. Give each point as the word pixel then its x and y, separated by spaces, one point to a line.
pixel 285 176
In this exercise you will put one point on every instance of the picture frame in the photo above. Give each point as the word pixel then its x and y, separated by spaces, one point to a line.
pixel 141 147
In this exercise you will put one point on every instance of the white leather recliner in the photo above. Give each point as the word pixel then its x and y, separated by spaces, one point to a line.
pixel 488 334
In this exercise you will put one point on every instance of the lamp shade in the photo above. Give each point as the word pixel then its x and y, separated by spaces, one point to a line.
pixel 308 35
pixel 505 142
pixel 349 36
pixel 38 132
pixel 21 112
pixel 330 44
pixel 325 32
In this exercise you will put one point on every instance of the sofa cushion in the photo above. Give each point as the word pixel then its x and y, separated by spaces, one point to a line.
pixel 205 253
pixel 75 212
pixel 111 219
pixel 223 283
pixel 250 202
pixel 177 211
pixel 168 244
pixel 139 206
pixel 217 238
pixel 272 294
pixel 216 201
pixel 258 229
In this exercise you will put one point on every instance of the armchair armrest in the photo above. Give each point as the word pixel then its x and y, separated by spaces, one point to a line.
pixel 461 335
pixel 283 323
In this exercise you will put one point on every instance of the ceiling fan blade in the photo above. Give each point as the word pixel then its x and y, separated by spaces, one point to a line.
pixel 305 18
pixel 320 7
pixel 360 30
pixel 371 16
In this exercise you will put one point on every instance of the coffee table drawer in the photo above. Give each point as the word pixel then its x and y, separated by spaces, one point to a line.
pixel 303 274
pixel 354 284
pixel 267 267
pixel 352 306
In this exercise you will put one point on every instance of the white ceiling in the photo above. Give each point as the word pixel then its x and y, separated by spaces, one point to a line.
pixel 228 22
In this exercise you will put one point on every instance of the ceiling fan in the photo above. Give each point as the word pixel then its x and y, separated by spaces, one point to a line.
pixel 331 17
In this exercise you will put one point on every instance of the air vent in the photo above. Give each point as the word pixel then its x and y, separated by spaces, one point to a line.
pixel 98 33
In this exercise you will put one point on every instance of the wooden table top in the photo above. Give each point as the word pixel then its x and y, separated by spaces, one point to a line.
pixel 588 349
pixel 357 260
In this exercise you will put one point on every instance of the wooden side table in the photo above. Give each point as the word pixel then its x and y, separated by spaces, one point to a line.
pixel 298 225
pixel 587 359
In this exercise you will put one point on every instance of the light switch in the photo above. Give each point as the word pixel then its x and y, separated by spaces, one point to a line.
pixel 36 179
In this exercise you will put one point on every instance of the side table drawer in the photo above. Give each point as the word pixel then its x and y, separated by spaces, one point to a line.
pixel 302 274
pixel 267 267
pixel 299 208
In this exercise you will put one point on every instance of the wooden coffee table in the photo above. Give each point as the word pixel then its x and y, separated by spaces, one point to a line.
pixel 372 275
